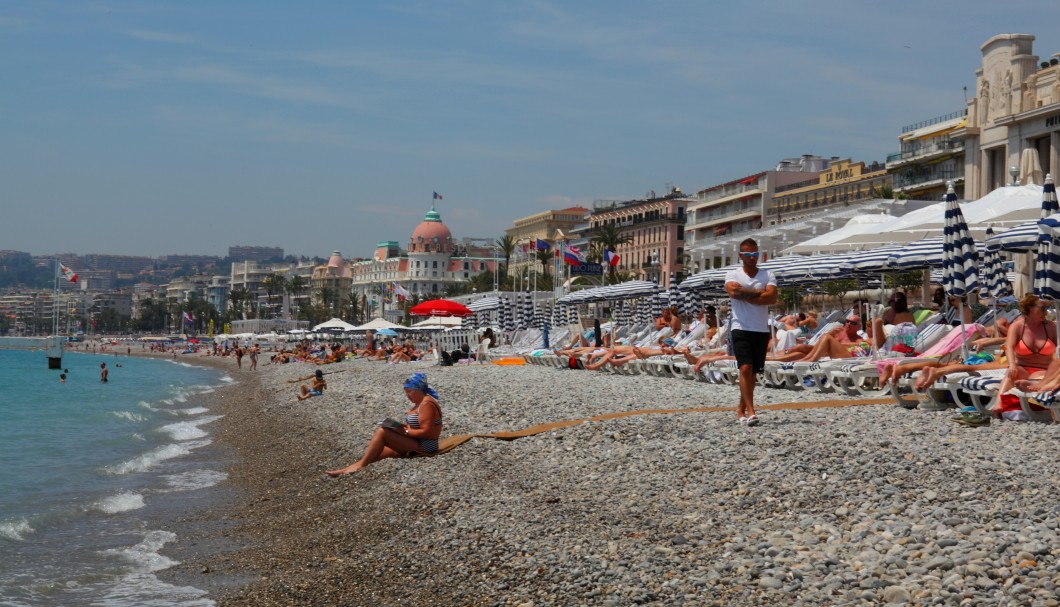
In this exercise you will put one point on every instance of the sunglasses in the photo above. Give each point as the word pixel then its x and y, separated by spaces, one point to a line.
pixel 853 322
pixel 754 254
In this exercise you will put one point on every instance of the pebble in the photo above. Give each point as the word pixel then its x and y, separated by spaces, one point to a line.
pixel 831 506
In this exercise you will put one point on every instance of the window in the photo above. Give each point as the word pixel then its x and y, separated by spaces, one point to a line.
pixel 435 264
pixel 434 274
pixel 434 288
pixel 466 265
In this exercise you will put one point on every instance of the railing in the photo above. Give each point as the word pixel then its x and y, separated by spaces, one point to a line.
pixel 904 181
pixel 927 150
pixel 797 185
pixel 936 120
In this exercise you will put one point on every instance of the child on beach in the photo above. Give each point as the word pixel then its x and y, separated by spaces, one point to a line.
pixel 316 389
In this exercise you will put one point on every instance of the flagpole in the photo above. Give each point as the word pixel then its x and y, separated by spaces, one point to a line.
pixel 55 301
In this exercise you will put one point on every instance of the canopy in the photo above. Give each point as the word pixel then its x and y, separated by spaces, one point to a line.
pixel 334 324
pixel 375 324
pixel 862 224
pixel 440 307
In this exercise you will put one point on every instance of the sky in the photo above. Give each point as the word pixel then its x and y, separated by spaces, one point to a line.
pixel 185 127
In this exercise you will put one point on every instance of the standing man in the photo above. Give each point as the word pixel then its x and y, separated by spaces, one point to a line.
pixel 752 291
pixel 103 372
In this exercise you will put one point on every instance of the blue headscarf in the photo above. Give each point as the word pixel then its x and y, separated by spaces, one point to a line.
pixel 419 382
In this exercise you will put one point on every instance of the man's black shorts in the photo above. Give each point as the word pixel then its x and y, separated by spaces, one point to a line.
pixel 750 348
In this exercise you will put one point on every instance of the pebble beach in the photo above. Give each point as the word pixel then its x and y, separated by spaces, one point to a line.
pixel 838 505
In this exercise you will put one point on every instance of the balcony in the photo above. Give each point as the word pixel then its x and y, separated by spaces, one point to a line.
pixel 928 179
pixel 926 152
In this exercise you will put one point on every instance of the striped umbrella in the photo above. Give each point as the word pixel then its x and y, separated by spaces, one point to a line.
pixel 996 281
pixel 644 311
pixel 507 320
pixel 1049 203
pixel 1023 237
pixel 1047 271
pixel 960 272
pixel 528 311
pixel 657 302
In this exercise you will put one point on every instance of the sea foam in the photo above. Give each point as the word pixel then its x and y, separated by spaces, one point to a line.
pixel 189 430
pixel 146 461
pixel 194 479
pixel 15 530
pixel 122 502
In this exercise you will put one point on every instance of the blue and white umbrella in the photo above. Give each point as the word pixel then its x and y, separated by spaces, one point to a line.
pixel 960 271
pixel 995 278
pixel 960 264
pixel 1023 237
pixel 507 315
pixel 1049 203
pixel 1047 269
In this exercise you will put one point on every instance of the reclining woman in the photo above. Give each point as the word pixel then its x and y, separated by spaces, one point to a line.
pixel 1029 349
pixel 897 318
pixel 419 433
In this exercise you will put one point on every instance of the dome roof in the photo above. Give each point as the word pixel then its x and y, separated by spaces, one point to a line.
pixel 431 228
pixel 336 261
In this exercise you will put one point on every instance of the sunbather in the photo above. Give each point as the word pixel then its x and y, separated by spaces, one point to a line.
pixel 1030 344
pixel 848 341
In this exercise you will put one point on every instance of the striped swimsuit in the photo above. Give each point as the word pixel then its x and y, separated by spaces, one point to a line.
pixel 429 445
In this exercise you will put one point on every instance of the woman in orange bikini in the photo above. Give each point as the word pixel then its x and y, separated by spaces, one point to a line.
pixel 419 433
pixel 1030 344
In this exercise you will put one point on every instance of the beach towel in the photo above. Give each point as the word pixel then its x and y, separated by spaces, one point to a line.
pixel 950 343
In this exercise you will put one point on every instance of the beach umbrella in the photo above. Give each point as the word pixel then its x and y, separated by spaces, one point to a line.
pixel 1049 202
pixel 1047 271
pixel 995 279
pixel 440 307
pixel 528 312
pixel 960 272
pixel 507 320
pixel 485 304
pixel 644 311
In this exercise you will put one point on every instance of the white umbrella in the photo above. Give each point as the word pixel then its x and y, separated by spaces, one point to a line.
pixel 334 323
pixel 375 324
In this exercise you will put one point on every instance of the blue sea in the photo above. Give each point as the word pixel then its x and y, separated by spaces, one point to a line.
pixel 85 469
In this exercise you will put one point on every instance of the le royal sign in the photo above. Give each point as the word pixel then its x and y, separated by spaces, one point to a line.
pixel 842 171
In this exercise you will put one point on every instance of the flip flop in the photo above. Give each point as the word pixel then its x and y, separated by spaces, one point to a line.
pixel 753 420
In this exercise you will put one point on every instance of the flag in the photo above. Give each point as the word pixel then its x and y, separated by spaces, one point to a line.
pixel 67 273
pixel 541 245
pixel 522 248
pixel 610 257
pixel 400 291
pixel 572 256
pixel 437 196
pixel 188 319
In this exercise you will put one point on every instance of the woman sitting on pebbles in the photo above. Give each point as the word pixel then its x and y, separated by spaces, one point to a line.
pixel 419 433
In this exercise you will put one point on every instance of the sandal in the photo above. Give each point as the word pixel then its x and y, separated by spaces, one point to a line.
pixel 753 420
pixel 741 420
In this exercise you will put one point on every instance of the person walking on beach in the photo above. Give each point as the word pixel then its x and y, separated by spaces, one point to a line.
pixel 752 291
pixel 418 434
pixel 254 351
pixel 103 372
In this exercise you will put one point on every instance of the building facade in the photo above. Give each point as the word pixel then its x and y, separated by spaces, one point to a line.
pixel 433 262
pixel 656 231
pixel 247 253
pixel 930 157
pixel 1013 126
pixel 843 183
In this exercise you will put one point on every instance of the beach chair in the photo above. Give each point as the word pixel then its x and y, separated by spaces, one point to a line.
pixel 946 349
pixel 860 377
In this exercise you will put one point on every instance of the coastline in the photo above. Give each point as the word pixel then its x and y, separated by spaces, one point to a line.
pixel 837 505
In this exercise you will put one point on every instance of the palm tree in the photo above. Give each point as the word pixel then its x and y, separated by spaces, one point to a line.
pixel 545 257
pixel 274 283
pixel 296 286
pixel 327 298
pixel 610 237
pixel 238 297
pixel 507 246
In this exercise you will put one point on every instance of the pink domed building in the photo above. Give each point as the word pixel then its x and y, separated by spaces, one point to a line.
pixel 432 262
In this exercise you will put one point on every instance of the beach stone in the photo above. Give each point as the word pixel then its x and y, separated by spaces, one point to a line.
pixel 896 594
pixel 771 583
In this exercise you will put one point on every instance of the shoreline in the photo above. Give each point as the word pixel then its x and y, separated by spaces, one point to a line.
pixel 828 505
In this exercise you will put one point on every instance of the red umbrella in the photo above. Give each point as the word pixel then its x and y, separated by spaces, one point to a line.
pixel 440 307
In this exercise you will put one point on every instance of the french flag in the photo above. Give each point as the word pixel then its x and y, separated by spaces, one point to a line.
pixel 610 257
pixel 572 256
pixel 437 196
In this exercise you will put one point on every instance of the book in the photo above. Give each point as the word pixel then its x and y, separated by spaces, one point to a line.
pixel 390 423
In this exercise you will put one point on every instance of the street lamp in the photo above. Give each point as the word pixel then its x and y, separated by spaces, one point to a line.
pixel 1015 173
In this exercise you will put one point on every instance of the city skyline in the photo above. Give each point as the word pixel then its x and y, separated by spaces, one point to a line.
pixel 184 128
